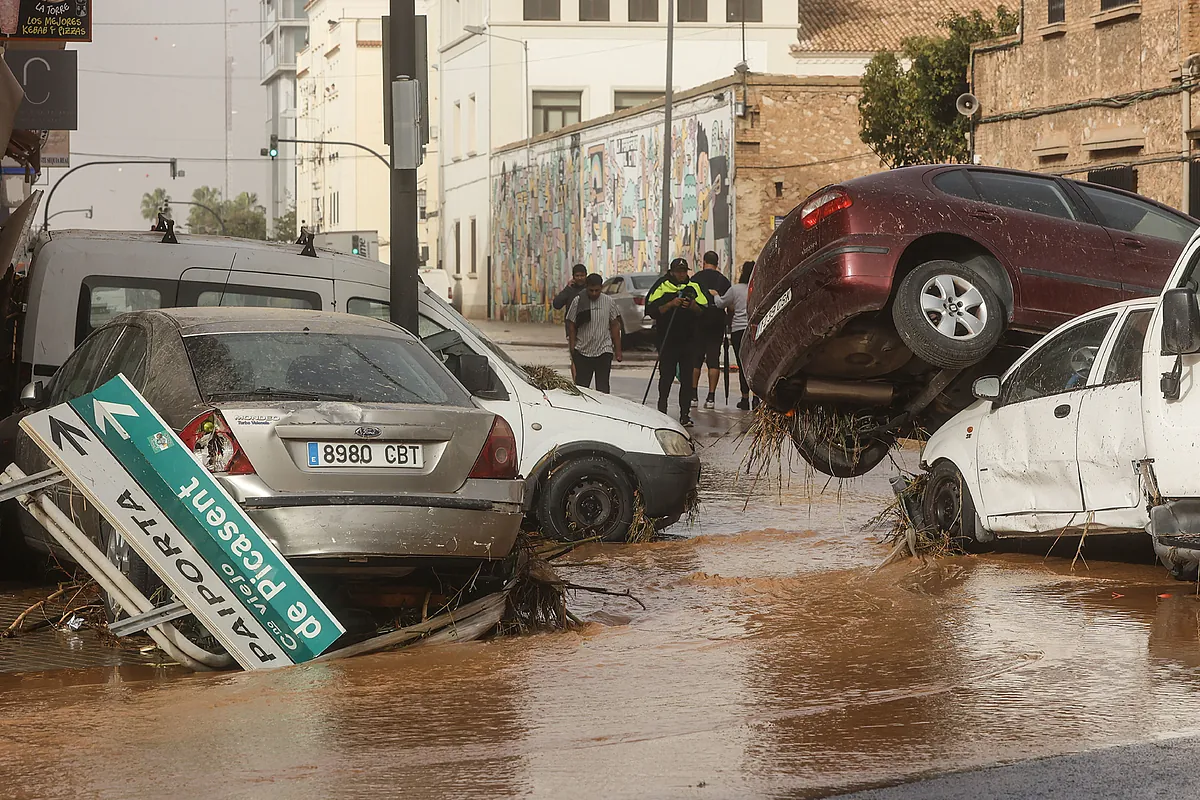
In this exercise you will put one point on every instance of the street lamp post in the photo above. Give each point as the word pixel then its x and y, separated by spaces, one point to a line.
pixel 87 212
pixel 216 216
pixel 664 255
pixel 46 218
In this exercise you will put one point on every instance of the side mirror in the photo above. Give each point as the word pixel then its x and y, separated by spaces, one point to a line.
pixel 34 395
pixel 986 388
pixel 474 373
pixel 1181 322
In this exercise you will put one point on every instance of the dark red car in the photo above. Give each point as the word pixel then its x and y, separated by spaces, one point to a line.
pixel 884 296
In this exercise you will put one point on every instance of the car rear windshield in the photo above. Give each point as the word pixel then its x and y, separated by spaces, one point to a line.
pixel 320 366
pixel 644 282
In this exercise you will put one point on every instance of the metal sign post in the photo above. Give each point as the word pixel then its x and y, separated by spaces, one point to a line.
pixel 185 526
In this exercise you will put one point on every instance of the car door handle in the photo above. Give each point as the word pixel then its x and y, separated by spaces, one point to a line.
pixel 1132 243
pixel 985 216
pixel 1062 411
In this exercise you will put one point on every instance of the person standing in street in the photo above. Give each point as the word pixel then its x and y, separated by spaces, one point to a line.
pixel 734 302
pixel 676 303
pixel 563 299
pixel 711 329
pixel 594 334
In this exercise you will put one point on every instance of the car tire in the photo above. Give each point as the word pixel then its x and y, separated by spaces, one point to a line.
pixel 840 458
pixel 948 315
pixel 131 566
pixel 585 498
pixel 947 507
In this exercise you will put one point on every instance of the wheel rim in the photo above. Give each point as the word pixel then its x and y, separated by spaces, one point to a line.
pixel 592 505
pixel 954 307
pixel 947 506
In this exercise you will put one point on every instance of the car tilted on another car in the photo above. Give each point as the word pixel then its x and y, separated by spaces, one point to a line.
pixel 883 297
pixel 353 448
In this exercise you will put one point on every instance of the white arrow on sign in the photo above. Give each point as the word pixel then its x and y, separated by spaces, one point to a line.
pixel 109 412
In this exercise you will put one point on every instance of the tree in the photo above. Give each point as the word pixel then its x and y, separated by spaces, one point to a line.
pixel 154 202
pixel 207 219
pixel 244 217
pixel 285 226
pixel 907 113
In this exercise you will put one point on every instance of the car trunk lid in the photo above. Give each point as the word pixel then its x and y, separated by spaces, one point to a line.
pixel 360 447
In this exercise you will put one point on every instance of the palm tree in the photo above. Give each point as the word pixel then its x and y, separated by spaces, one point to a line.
pixel 201 220
pixel 154 202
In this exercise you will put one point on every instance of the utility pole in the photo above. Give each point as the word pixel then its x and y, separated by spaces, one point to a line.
pixel 664 240
pixel 402 58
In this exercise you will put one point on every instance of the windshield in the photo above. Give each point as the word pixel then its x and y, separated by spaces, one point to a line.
pixel 320 366
pixel 488 343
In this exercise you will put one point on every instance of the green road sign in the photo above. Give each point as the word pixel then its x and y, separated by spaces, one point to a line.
pixel 205 514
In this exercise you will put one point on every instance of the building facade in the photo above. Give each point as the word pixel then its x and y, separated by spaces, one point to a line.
pixel 284 31
pixel 517 69
pixel 340 89
pixel 1098 90
pixel 745 152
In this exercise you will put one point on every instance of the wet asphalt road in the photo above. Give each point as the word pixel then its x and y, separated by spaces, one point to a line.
pixel 773 659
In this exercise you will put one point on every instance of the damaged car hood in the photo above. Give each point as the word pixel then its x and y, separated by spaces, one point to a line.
pixel 610 407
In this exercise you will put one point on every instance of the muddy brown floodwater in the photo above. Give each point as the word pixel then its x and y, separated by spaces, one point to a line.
pixel 770 661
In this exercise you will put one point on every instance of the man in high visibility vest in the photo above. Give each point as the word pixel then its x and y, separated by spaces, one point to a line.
pixel 676 303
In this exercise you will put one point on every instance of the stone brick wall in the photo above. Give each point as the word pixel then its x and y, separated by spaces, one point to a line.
pixel 800 134
pixel 1092 55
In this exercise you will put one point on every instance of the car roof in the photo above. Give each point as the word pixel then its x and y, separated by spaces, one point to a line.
pixel 228 319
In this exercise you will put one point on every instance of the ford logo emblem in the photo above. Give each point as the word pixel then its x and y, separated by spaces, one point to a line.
pixel 367 432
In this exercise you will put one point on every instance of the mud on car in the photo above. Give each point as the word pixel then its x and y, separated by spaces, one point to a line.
pixel 883 298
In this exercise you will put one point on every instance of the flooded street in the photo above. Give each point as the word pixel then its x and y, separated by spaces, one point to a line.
pixel 771 660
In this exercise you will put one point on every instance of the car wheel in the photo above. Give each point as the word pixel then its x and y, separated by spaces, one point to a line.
pixel 839 456
pixel 948 508
pixel 947 314
pixel 130 565
pixel 587 498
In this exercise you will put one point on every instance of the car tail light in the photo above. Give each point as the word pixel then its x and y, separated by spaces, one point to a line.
pixel 214 445
pixel 822 206
pixel 498 458
pixel 639 301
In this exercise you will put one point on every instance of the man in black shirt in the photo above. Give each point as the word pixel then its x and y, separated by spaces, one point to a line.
pixel 562 300
pixel 676 303
pixel 711 329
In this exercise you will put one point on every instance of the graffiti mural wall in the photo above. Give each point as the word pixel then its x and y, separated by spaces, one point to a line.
pixel 595 197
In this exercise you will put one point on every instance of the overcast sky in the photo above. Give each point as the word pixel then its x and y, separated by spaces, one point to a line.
pixel 152 84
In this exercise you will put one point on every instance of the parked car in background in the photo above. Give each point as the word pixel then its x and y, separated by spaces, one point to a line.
pixel 439 281
pixel 629 292
pixel 616 451
pixel 885 296
pixel 347 441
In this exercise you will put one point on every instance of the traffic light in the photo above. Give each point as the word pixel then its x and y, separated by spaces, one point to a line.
pixel 356 245
pixel 174 169
pixel 273 149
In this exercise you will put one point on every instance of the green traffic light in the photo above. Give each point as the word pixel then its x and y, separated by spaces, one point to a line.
pixel 273 152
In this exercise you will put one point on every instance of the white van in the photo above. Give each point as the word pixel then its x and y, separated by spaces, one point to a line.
pixel 588 458
pixel 1096 427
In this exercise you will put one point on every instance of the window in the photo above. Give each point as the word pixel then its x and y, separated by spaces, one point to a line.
pixel 1056 11
pixel 623 100
pixel 364 307
pixel 472 245
pixel 1060 365
pixel 357 367
pixel 614 285
pixel 1125 363
pixel 643 10
pixel 542 10
pixel 253 299
pixel 743 10
pixel 692 11
pixel 593 10
pixel 955 183
pixel 1105 5
pixel 128 358
pixel 471 125
pixel 644 283
pixel 422 208
pixel 76 377
pixel 1023 193
pixel 457 129
pixel 1132 215
pixel 108 302
pixel 458 247
pixel 1117 177
pixel 554 110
